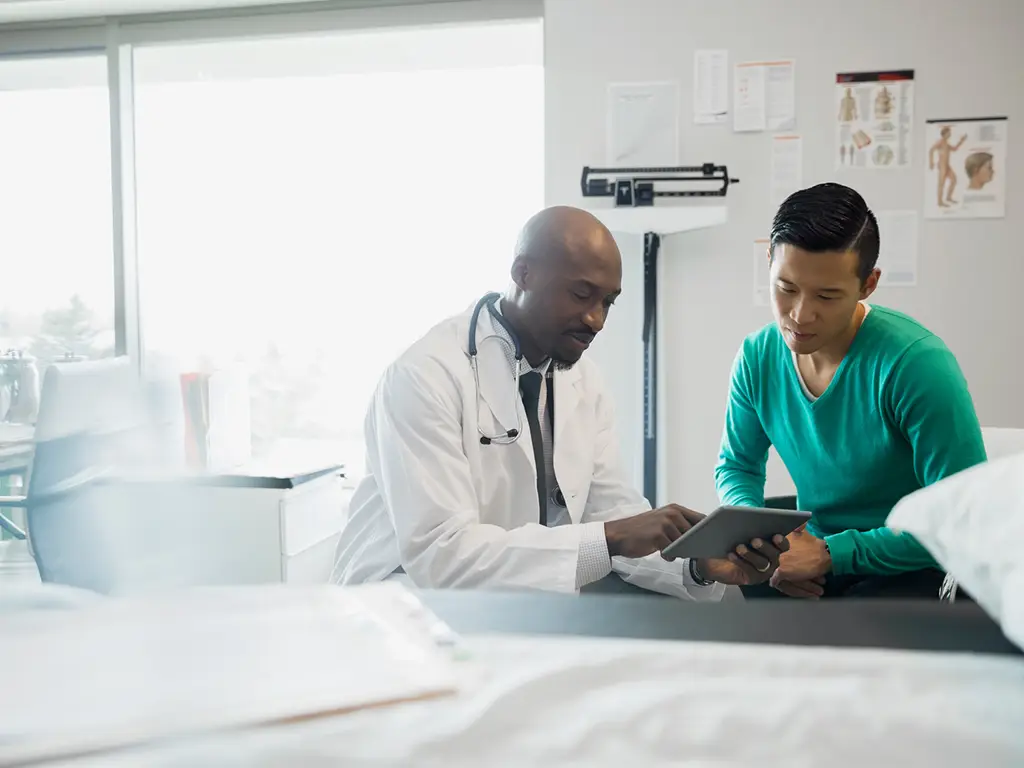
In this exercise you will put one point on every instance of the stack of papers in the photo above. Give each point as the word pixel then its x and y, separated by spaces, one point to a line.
pixel 126 671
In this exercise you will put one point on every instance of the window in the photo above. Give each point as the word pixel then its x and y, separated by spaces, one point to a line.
pixel 56 238
pixel 308 207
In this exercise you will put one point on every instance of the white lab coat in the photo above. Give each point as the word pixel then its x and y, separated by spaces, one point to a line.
pixel 455 513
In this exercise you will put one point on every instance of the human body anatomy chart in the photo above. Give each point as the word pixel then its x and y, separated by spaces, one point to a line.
pixel 965 168
pixel 874 119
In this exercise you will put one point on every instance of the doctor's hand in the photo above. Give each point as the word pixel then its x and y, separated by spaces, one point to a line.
pixel 753 564
pixel 649 532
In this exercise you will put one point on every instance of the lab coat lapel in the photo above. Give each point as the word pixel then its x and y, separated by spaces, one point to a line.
pixel 567 397
pixel 498 387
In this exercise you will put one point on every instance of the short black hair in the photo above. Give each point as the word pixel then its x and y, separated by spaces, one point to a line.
pixel 828 217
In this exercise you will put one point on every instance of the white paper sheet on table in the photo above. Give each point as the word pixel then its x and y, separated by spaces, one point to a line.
pixel 710 86
pixel 897 258
pixel 643 124
pixel 129 671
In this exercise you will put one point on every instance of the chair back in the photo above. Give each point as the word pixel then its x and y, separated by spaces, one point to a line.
pixel 91 421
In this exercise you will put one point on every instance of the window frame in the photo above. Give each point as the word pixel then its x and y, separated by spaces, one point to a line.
pixel 116 37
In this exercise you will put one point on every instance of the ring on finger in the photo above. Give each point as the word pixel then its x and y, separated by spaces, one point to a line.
pixel 767 567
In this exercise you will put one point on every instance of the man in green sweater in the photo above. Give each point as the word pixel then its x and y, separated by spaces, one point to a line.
pixel 863 404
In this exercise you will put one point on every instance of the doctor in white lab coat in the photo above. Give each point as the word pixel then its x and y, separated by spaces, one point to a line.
pixel 468 487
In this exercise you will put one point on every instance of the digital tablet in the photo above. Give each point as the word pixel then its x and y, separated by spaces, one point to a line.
pixel 726 528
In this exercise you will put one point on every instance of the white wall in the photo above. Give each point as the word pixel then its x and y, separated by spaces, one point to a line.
pixel 968 59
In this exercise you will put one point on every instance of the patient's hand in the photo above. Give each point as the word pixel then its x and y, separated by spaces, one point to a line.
pixel 746 565
pixel 806 560
pixel 810 589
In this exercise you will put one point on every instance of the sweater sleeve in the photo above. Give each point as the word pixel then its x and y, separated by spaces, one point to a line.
pixel 929 402
pixel 740 472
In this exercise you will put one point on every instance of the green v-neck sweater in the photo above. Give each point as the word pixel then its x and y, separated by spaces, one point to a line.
pixel 896 417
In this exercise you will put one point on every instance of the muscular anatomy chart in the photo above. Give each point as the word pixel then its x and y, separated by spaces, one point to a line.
pixel 965 170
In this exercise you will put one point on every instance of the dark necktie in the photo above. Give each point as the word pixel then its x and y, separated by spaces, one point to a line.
pixel 529 387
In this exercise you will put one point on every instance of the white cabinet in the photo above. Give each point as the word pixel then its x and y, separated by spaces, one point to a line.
pixel 145 534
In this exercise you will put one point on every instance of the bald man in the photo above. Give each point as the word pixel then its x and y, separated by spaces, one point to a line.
pixel 492 459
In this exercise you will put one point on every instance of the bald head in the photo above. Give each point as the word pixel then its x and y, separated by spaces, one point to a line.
pixel 562 233
pixel 566 274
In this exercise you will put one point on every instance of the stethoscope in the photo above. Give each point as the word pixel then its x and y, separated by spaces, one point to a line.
pixel 511 435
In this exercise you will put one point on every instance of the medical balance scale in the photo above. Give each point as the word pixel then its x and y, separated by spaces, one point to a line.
pixel 630 369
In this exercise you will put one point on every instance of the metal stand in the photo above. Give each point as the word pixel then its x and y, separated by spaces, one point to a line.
pixel 652 243
pixel 639 188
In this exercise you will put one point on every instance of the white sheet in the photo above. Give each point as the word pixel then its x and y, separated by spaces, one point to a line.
pixel 126 671
pixel 560 701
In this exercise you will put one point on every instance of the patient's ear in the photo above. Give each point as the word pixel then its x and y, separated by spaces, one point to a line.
pixel 870 284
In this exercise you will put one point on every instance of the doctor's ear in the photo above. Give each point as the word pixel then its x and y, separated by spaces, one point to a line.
pixel 520 272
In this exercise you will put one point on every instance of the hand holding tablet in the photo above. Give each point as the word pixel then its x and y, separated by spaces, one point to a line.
pixel 736 545
pixel 725 529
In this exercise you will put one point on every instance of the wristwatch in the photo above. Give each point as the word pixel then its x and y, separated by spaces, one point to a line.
pixel 699 580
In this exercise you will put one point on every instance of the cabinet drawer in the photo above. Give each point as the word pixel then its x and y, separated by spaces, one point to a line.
pixel 311 513
pixel 311 566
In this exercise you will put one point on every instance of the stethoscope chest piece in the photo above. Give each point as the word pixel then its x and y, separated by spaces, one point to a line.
pixel 558 497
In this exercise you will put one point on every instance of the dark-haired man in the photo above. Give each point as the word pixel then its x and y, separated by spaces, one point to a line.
pixel 863 404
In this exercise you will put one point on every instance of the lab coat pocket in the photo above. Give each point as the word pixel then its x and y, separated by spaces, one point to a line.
pixel 503 477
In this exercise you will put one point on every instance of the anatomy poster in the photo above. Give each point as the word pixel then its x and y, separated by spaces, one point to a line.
pixel 874 119
pixel 965 172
